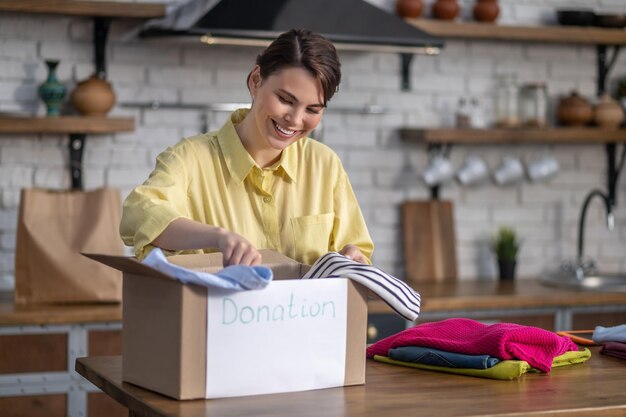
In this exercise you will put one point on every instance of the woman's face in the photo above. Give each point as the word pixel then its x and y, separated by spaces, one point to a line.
pixel 286 106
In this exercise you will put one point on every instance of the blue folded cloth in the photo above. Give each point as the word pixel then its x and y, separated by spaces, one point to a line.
pixel 609 334
pixel 234 277
pixel 429 356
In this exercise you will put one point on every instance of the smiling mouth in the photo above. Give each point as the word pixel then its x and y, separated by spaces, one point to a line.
pixel 282 130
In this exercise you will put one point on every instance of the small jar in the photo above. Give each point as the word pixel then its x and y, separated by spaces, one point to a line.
pixel 463 115
pixel 507 101
pixel 534 105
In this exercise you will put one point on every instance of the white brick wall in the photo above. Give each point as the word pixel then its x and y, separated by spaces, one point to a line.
pixel 384 170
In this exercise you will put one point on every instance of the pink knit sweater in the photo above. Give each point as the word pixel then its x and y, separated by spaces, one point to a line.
pixel 536 346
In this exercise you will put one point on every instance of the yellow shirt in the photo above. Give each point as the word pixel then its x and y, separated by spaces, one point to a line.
pixel 303 206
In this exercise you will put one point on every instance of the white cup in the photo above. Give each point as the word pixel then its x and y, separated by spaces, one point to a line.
pixel 542 168
pixel 473 171
pixel 509 171
pixel 439 170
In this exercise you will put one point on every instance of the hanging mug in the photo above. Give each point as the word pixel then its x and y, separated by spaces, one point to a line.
pixel 509 171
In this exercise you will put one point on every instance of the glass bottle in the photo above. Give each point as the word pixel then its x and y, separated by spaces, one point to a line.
pixel 477 113
pixel 507 101
pixel 534 105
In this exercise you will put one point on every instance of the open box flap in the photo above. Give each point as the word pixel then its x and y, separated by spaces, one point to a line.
pixel 128 264
pixel 281 266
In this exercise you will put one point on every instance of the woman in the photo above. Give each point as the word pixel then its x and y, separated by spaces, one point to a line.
pixel 258 182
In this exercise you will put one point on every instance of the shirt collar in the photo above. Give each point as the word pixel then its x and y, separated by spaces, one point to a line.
pixel 288 161
pixel 239 161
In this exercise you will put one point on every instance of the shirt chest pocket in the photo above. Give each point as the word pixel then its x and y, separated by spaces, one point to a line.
pixel 311 235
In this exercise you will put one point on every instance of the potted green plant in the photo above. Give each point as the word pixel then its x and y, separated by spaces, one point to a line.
pixel 506 245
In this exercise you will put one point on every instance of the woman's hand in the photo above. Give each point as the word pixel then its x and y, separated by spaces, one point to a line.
pixel 354 253
pixel 237 250
pixel 185 234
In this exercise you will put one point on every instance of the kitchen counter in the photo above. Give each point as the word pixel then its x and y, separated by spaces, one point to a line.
pixel 493 294
pixel 38 347
pixel 41 342
pixel 594 388
pixel 42 314
pixel 521 297
pixel 438 299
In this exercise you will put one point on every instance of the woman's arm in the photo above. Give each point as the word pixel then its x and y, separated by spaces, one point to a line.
pixel 185 234
pixel 350 235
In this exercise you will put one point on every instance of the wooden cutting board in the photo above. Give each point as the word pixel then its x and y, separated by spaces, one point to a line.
pixel 429 241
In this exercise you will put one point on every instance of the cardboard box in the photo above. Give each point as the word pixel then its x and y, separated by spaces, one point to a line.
pixel 188 342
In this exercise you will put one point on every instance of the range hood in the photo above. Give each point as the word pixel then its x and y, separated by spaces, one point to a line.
pixel 349 24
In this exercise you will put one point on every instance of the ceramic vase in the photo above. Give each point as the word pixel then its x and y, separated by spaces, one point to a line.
pixel 409 8
pixel 574 110
pixel 446 9
pixel 93 97
pixel 486 10
pixel 608 113
pixel 52 91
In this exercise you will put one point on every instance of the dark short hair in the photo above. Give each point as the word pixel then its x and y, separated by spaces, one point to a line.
pixel 304 49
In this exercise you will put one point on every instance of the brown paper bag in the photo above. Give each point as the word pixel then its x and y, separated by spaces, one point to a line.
pixel 54 227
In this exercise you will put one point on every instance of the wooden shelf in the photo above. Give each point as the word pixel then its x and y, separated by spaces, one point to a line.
pixel 553 34
pixel 66 124
pixel 569 135
pixel 85 8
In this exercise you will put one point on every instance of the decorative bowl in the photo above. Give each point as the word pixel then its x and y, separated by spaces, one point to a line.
pixel 575 17
pixel 616 21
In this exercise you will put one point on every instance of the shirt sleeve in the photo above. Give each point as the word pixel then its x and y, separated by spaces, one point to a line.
pixel 152 206
pixel 349 226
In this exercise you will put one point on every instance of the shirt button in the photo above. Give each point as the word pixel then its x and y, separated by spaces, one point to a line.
pixel 267 199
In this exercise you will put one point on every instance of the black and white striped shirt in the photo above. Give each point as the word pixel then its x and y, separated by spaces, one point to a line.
pixel 397 294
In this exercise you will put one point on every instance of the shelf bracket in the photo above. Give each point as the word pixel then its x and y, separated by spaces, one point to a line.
pixel 434 193
pixel 604 64
pixel 406 71
pixel 76 146
pixel 101 27
pixel 444 149
pixel 614 169
pixel 611 174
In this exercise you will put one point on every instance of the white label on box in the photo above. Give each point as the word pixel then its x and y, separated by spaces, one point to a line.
pixel 290 336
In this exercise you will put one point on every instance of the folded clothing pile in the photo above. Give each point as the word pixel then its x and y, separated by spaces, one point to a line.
pixel 465 346
pixel 612 339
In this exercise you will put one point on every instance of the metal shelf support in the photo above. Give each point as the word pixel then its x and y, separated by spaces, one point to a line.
pixel 604 64
pixel 406 71
pixel 76 146
pixel 76 143
pixel 101 27
pixel 434 148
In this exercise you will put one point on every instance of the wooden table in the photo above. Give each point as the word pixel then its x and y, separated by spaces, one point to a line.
pixel 595 388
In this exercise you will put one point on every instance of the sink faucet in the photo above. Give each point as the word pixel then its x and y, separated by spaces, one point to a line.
pixel 581 266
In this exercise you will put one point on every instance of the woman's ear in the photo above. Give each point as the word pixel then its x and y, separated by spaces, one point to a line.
pixel 254 80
